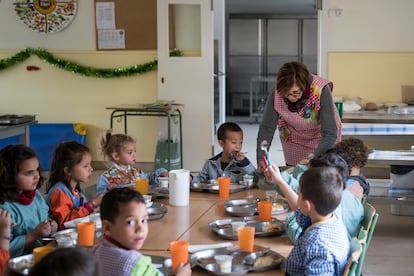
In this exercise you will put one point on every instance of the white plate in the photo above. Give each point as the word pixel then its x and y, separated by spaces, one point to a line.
pixel 74 223
pixel 67 233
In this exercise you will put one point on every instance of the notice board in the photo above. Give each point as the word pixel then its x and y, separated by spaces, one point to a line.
pixel 139 20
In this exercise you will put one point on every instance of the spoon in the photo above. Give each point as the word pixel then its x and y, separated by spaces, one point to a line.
pixel 263 146
pixel 251 258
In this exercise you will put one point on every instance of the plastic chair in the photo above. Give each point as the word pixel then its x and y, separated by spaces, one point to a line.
pixel 357 247
pixel 366 232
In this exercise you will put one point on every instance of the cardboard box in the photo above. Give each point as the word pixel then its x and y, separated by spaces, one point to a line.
pixel 407 94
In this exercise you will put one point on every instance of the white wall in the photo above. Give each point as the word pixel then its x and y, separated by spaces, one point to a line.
pixel 59 96
pixel 367 25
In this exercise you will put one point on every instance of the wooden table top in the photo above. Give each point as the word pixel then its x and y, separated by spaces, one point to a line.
pixel 191 223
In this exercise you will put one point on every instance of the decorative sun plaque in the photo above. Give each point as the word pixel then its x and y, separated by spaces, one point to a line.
pixel 46 16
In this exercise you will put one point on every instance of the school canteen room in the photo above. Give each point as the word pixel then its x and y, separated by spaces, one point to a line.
pixel 365 47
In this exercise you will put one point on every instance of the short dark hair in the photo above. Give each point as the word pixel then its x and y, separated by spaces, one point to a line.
pixel 228 126
pixel 334 158
pixel 292 73
pixel 109 208
pixel 323 187
pixel 66 262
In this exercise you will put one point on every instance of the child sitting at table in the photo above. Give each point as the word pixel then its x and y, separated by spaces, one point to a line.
pixel 4 239
pixel 125 226
pixel 322 248
pixel 350 208
pixel 231 161
pixel 358 152
pixel 120 149
pixel 71 165
pixel 20 180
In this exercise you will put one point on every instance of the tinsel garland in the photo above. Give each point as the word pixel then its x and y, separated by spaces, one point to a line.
pixel 76 68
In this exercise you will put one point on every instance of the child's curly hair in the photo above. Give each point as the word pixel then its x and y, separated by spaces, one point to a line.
pixel 111 143
pixel 356 149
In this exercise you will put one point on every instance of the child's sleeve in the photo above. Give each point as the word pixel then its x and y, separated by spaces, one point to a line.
pixel 4 259
pixel 102 185
pixel 152 177
pixel 290 180
pixel 205 174
pixel 292 228
pixel 144 267
pixel 246 166
pixel 62 209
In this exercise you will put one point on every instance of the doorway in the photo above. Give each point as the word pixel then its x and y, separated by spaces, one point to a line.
pixel 257 46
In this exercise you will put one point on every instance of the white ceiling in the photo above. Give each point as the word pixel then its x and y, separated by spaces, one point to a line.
pixel 270 6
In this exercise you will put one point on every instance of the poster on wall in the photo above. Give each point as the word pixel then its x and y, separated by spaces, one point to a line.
pixel 46 16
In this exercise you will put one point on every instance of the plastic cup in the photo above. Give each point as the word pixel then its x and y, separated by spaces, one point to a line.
pixel 40 252
pixel 235 225
pixel 141 185
pixel 265 210
pixel 248 180
pixel 86 233
pixel 271 196
pixel 246 238
pixel 179 253
pixel 224 263
pixel 163 181
pixel 224 186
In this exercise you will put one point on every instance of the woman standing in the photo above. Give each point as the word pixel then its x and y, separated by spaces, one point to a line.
pixel 303 110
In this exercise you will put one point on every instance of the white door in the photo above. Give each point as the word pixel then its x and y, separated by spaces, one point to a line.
pixel 188 79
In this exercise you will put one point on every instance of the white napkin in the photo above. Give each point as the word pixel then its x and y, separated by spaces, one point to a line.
pixel 198 247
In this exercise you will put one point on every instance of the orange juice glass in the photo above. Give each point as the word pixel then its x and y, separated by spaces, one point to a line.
pixel 179 253
pixel 246 238
pixel 265 210
pixel 224 186
pixel 141 185
pixel 86 233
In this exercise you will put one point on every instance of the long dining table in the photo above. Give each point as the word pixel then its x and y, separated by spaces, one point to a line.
pixel 190 223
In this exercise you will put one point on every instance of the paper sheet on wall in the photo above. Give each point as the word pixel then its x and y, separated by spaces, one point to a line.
pixel 105 15
pixel 111 39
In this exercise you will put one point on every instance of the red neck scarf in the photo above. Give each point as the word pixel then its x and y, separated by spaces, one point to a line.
pixel 26 197
pixel 114 242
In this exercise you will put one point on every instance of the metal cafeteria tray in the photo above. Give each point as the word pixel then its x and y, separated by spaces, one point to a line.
pixel 205 259
pixel 21 264
pixel 162 263
pixel 156 211
pixel 222 227
pixel 234 188
pixel 14 119
pixel 159 192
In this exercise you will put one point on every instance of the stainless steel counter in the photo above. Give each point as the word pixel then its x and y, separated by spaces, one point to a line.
pixel 379 116
pixel 394 157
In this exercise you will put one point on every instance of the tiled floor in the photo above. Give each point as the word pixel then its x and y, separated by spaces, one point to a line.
pixel 391 251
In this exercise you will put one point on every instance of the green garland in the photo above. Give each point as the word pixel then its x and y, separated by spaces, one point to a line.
pixel 80 69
